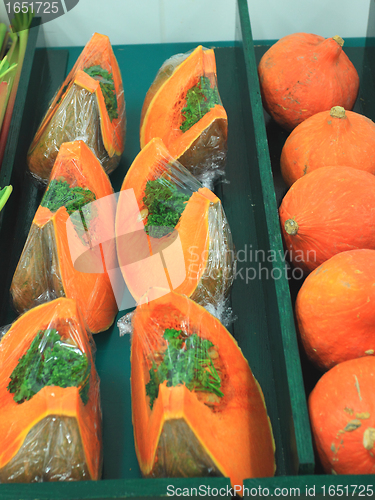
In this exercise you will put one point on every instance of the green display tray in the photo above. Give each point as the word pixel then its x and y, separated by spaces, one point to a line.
pixel 260 298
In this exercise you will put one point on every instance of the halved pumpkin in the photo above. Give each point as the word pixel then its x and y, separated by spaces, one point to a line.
pixel 201 145
pixel 46 268
pixel 89 105
pixel 196 256
pixel 186 432
pixel 56 434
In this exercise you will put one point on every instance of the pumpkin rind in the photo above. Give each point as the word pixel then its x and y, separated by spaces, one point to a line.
pixel 303 74
pixel 46 270
pixel 197 259
pixel 342 411
pixel 78 111
pixel 236 437
pixel 329 138
pixel 334 309
pixel 332 210
pixel 201 149
pixel 30 432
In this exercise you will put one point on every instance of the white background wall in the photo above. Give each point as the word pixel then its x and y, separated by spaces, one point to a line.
pixel 160 21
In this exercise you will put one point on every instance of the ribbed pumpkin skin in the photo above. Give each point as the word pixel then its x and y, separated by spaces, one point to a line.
pixel 335 309
pixel 326 139
pixel 303 74
pixel 334 208
pixel 342 416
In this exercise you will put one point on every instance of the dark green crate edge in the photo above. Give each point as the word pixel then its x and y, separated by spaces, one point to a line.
pixel 293 365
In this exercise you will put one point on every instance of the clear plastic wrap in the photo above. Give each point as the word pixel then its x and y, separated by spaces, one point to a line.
pixel 50 425
pixel 171 232
pixel 79 191
pixel 89 106
pixel 197 409
pixel 183 108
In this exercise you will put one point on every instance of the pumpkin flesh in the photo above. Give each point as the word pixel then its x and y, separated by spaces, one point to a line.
pixel 235 436
pixel 203 146
pixel 79 110
pixel 39 278
pixel 63 404
pixel 196 259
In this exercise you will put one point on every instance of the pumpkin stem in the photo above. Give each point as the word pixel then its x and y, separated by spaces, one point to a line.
pixel 291 227
pixel 339 40
pixel 337 112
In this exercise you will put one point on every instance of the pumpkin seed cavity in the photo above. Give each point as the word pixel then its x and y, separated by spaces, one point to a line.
pixel 199 100
pixel 108 88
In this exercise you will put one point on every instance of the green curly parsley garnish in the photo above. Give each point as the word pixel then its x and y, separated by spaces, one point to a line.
pixel 50 360
pixel 199 100
pixel 185 361
pixel 165 204
pixel 108 88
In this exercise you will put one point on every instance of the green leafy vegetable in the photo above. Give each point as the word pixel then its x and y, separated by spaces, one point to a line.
pixel 199 100
pixel 50 360
pixel 108 88
pixel 165 204
pixel 185 361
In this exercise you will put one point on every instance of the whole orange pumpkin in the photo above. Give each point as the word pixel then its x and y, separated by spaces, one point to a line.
pixel 342 416
pixel 329 138
pixel 329 211
pixel 335 309
pixel 303 74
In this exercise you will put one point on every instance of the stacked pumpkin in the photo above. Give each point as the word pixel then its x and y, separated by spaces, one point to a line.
pixel 327 218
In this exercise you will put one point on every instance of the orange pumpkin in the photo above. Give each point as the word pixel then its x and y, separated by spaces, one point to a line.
pixel 188 432
pixel 196 256
pixel 329 138
pixel 56 434
pixel 201 147
pixel 334 309
pixel 303 74
pixel 327 212
pixel 90 106
pixel 48 267
pixel 342 415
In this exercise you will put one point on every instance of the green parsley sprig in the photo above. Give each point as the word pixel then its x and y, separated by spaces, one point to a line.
pixel 165 204
pixel 50 361
pixel 185 361
pixel 108 88
pixel 199 100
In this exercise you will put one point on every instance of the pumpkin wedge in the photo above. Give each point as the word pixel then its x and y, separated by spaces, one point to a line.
pixel 46 269
pixel 171 232
pixel 329 211
pixel 209 420
pixel 334 309
pixel 342 416
pixel 50 425
pixel 89 105
pixel 184 109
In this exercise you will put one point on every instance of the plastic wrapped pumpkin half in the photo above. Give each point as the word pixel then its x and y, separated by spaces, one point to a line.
pixel 76 215
pixel 89 106
pixel 50 425
pixel 197 408
pixel 184 109
pixel 171 232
